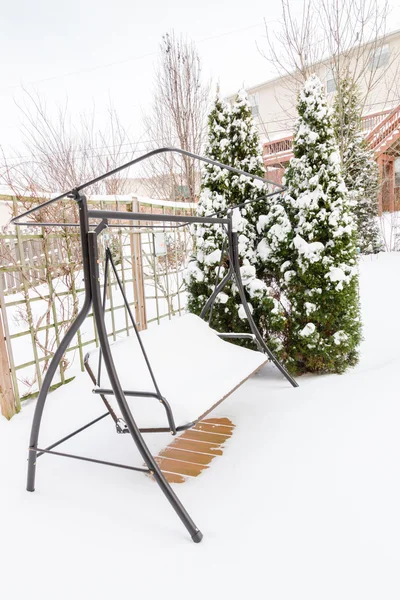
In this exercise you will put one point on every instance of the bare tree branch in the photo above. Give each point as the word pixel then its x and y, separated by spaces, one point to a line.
pixel 177 118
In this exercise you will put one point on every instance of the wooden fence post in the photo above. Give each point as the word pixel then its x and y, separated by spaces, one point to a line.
pixel 137 272
pixel 7 400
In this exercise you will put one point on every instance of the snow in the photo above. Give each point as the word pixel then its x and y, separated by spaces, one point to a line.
pixel 303 504
pixel 192 270
pixel 174 350
pixel 256 287
pixel 336 274
pixel 307 330
pixel 311 251
pixel 213 258
pixel 238 221
pixel 242 312
pixel 263 249
pixel 310 307
pixel 222 298
pixel 248 273
pixel 339 337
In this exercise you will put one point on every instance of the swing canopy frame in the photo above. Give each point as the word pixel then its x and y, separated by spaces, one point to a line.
pixel 91 224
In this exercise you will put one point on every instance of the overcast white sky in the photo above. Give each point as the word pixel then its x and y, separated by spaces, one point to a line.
pixel 94 51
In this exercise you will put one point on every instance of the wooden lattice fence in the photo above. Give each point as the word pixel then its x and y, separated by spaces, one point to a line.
pixel 41 288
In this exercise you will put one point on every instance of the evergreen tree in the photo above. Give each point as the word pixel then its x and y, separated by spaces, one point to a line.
pixel 233 140
pixel 310 242
pixel 360 170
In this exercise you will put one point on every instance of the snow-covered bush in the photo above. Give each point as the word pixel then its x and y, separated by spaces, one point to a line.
pixel 360 171
pixel 233 140
pixel 310 243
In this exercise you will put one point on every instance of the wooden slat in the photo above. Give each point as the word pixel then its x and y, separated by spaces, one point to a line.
pixel 213 428
pixel 175 478
pixel 194 457
pixel 191 453
pixel 195 446
pixel 203 436
pixel 222 421
pixel 179 466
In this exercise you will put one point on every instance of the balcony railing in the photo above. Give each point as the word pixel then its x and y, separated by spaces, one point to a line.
pixel 376 126
pixel 385 132
pixel 369 122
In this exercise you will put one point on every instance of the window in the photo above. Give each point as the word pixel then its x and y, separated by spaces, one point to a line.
pixel 330 82
pixel 254 100
pixel 380 57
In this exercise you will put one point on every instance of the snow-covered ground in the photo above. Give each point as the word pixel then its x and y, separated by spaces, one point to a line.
pixel 304 503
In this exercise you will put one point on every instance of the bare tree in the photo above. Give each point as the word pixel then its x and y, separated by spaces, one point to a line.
pixel 348 37
pixel 297 46
pixel 59 154
pixel 177 118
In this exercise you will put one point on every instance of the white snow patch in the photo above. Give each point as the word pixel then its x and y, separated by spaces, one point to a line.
pixel 247 273
pixel 213 257
pixel 307 330
pixel 242 312
pixel 336 274
pixel 310 308
pixel 193 272
pixel 311 251
pixel 339 337
pixel 256 287
pixel 222 298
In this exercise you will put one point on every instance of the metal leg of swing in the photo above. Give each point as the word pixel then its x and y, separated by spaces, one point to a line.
pixel 120 397
pixel 44 390
pixel 234 256
pixel 215 293
pixel 59 353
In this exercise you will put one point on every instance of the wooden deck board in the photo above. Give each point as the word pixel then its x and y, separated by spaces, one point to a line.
pixel 180 467
pixel 222 421
pixel 213 428
pixel 194 457
pixel 204 436
pixel 191 453
pixel 197 446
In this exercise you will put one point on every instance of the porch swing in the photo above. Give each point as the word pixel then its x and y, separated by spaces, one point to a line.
pixel 168 394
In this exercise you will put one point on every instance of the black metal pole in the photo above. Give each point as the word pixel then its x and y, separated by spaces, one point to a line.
pixel 74 192
pixel 120 397
pixel 162 400
pixel 65 342
pixel 208 305
pixel 234 259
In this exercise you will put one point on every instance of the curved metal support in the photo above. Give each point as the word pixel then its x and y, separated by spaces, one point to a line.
pixel 216 291
pixel 164 402
pixel 75 192
pixel 59 353
pixel 120 397
pixel 234 257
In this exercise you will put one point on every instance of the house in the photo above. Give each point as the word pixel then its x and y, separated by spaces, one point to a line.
pixel 274 108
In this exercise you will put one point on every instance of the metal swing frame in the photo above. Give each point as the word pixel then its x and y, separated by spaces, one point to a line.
pixel 93 299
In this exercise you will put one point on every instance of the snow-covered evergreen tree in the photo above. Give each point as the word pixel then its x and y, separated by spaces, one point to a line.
pixel 233 140
pixel 311 238
pixel 360 170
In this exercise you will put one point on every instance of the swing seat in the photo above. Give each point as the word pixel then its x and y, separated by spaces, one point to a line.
pixel 194 368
